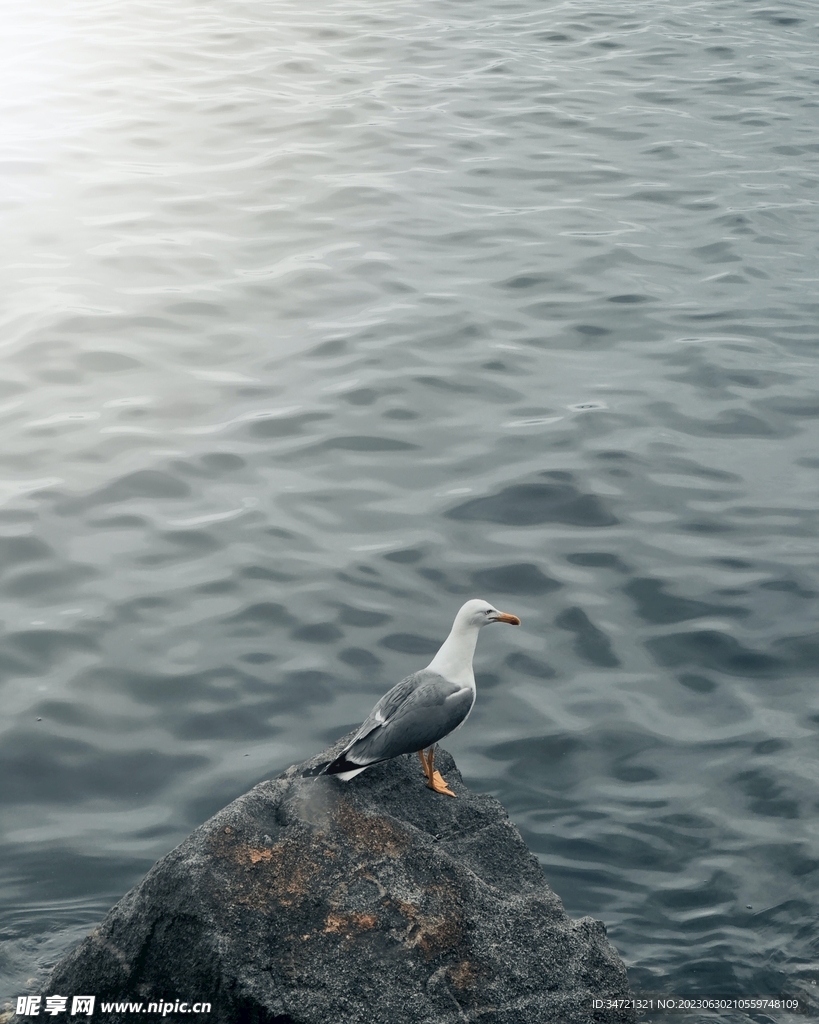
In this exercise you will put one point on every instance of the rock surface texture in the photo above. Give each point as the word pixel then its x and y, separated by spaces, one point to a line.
pixel 375 901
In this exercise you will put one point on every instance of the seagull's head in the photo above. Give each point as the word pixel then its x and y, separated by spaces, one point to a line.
pixel 479 613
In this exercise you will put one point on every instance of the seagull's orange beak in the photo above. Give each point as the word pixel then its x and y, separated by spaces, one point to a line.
pixel 513 620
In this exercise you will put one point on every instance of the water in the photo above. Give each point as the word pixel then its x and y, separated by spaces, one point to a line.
pixel 318 322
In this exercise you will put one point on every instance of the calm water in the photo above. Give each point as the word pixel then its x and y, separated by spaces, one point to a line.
pixel 316 323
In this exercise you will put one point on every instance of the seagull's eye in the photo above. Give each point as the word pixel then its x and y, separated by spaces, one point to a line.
pixel 488 611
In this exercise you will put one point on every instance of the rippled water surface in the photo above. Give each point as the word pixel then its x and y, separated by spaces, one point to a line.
pixel 318 320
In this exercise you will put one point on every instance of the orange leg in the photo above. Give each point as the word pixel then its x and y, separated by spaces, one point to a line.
pixel 435 780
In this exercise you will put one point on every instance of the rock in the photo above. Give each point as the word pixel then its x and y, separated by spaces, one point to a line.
pixel 374 901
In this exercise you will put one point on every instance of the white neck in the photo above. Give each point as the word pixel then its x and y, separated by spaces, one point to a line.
pixel 454 658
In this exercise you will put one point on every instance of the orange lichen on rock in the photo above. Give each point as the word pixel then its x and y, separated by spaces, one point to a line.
pixel 258 855
pixel 276 874
pixel 463 975
pixel 348 924
pixel 378 836
pixel 437 935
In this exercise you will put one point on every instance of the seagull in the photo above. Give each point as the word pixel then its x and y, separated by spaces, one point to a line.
pixel 424 707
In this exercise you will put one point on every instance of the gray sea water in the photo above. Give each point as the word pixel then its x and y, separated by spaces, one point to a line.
pixel 318 320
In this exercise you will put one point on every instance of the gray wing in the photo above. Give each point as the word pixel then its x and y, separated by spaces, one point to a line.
pixel 419 711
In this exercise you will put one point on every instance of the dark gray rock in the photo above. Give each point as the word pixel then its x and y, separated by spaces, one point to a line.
pixel 375 901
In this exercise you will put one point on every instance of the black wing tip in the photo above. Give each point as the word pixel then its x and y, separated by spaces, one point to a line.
pixel 341 764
